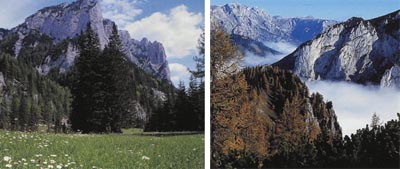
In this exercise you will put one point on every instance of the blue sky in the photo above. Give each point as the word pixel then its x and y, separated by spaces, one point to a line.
pixel 175 23
pixel 326 9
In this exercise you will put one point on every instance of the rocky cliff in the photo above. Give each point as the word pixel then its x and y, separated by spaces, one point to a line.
pixel 65 22
pixel 358 50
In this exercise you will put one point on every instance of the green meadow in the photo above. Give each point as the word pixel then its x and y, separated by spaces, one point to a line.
pixel 128 150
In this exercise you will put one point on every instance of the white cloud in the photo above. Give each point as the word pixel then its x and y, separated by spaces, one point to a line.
pixel 179 73
pixel 122 12
pixel 178 30
pixel 354 104
pixel 284 47
pixel 254 60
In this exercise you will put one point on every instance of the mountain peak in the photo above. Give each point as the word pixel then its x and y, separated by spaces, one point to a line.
pixel 358 50
pixel 89 3
pixel 257 24
pixel 66 20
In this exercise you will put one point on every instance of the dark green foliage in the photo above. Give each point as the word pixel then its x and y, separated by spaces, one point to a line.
pixel 108 90
pixel 117 89
pixel 183 110
pixel 85 84
pixel 29 99
pixel 8 43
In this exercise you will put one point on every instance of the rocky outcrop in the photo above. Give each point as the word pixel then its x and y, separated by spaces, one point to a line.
pixel 66 21
pixel 150 56
pixel 357 50
pixel 391 78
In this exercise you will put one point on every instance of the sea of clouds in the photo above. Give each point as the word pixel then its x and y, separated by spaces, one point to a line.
pixel 355 104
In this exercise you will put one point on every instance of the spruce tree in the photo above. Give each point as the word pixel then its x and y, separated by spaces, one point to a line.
pixel 119 92
pixel 85 84
pixel 196 90
pixel 183 109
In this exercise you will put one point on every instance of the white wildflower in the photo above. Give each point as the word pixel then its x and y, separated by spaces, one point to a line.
pixel 145 158
pixel 8 165
pixel 6 158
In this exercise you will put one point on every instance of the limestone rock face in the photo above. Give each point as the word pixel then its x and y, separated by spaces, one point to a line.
pixel 361 51
pixel 67 21
pixel 391 78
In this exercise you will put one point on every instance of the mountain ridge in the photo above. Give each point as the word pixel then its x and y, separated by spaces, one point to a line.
pixel 356 50
pixel 257 24
pixel 66 21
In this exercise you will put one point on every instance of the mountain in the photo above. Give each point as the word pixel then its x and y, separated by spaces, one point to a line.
pixel 357 50
pixel 36 58
pixel 258 25
pixel 248 45
pixel 58 26
pixel 391 78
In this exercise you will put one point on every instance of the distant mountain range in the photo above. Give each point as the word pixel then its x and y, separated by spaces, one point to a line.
pixel 358 50
pixel 257 25
pixel 61 24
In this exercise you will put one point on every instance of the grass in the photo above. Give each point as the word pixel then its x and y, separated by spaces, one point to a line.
pixel 42 150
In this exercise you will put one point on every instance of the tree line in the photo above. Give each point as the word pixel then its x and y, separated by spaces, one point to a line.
pixel 101 93
pixel 28 99
pixel 184 111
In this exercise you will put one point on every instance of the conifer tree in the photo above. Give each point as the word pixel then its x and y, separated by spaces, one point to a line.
pixel 230 107
pixel 196 90
pixel 118 89
pixel 85 84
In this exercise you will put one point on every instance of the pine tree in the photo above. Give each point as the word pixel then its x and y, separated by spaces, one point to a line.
pixel 119 93
pixel 375 121
pixel 196 89
pixel 184 109
pixel 83 116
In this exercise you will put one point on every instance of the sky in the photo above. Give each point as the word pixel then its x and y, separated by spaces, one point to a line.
pixel 339 10
pixel 177 24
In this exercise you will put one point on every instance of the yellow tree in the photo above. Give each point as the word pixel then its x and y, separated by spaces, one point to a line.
pixel 228 93
pixel 238 128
